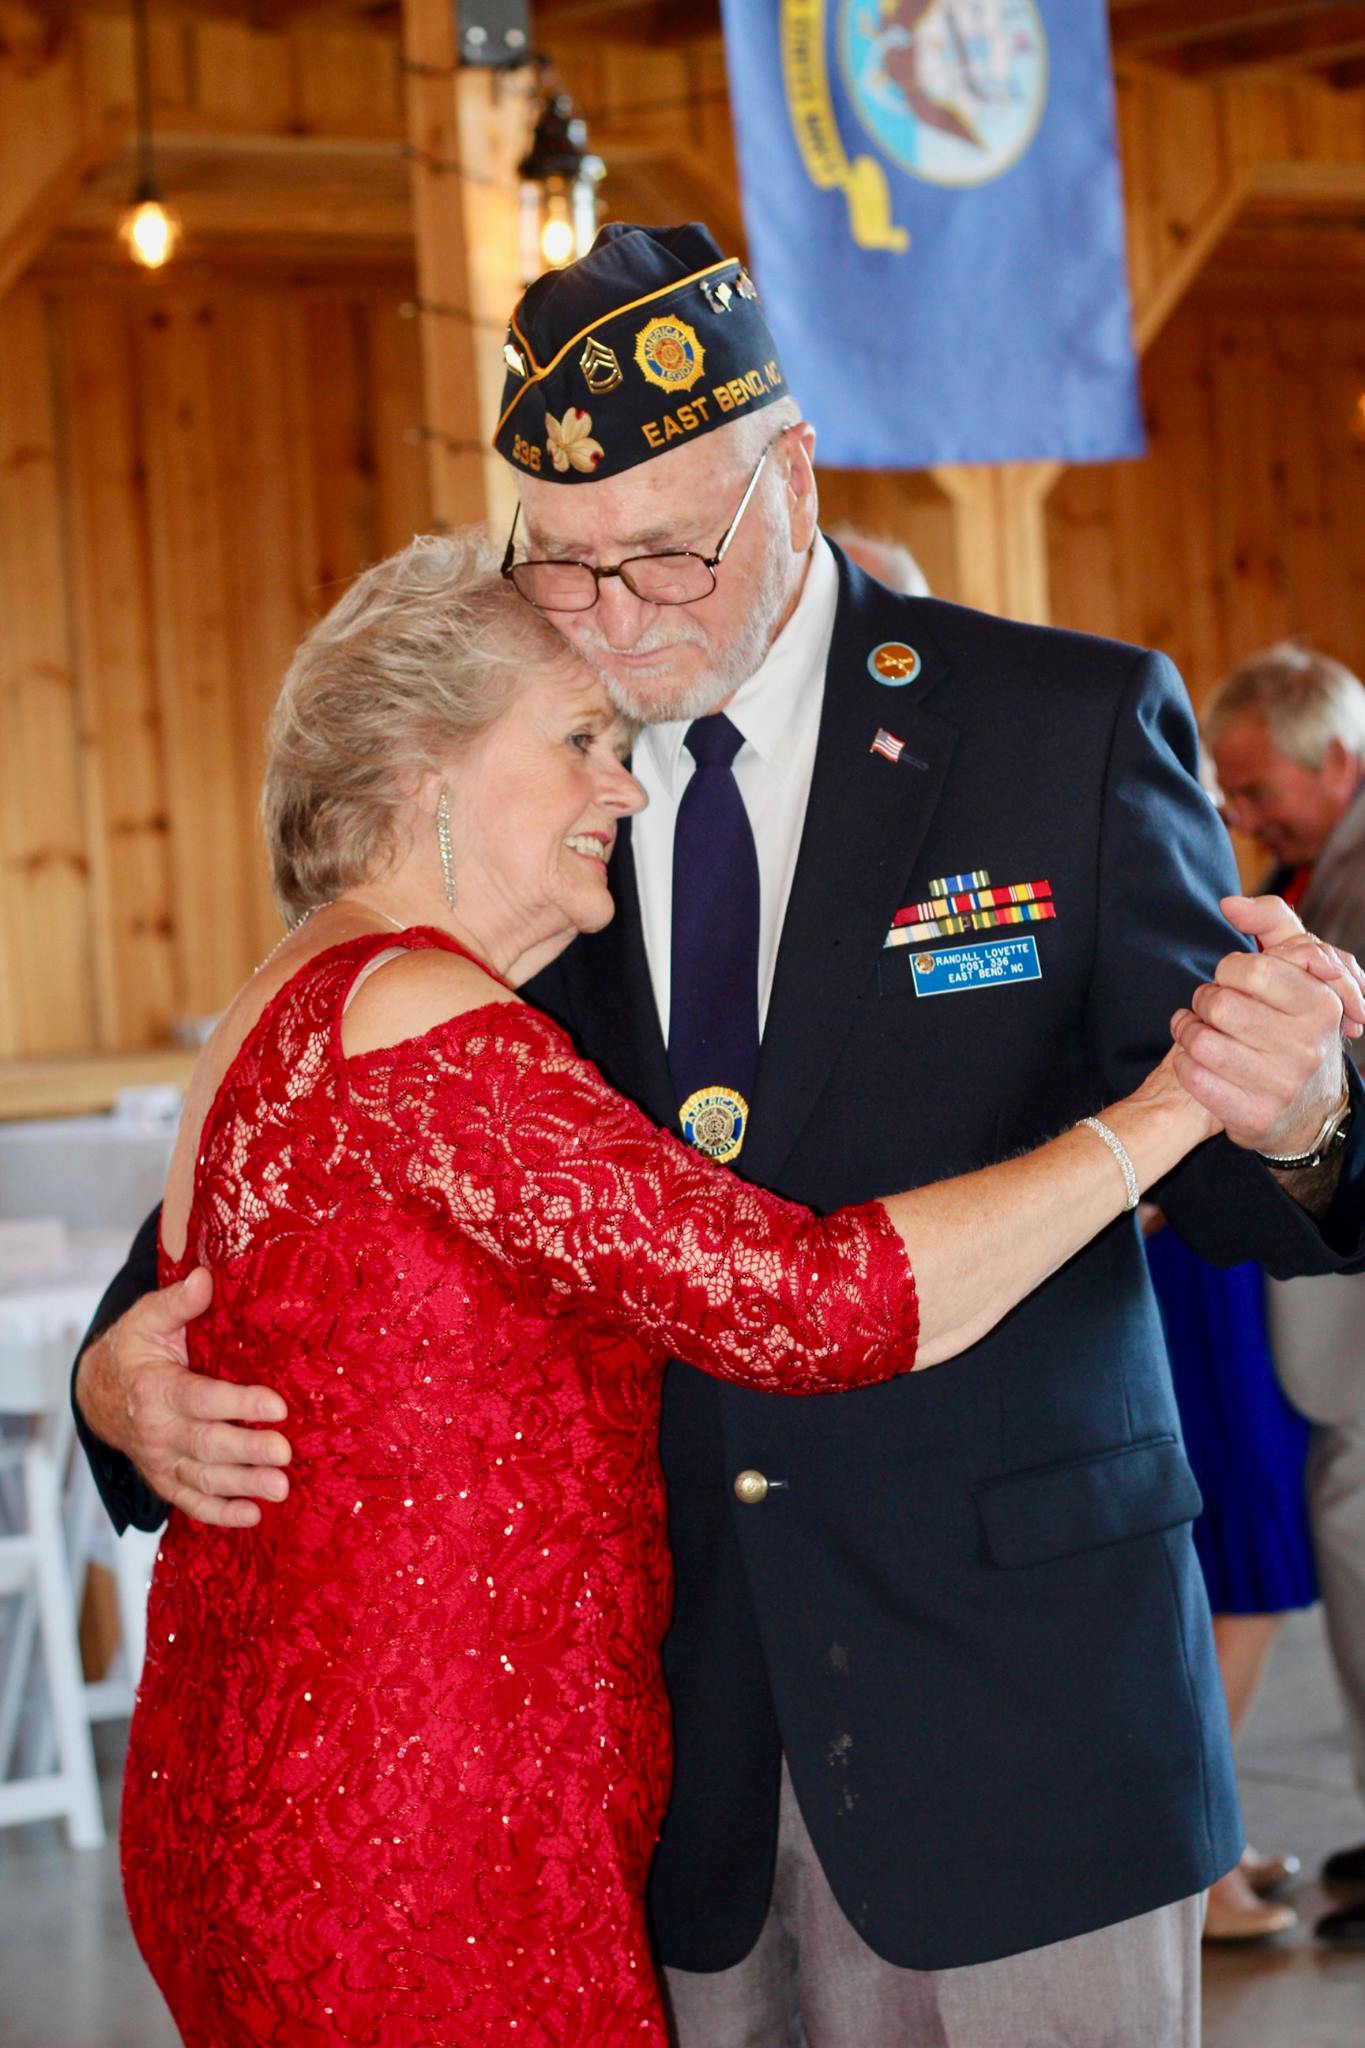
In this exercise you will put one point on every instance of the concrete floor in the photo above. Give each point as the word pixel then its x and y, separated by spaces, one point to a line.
pixel 70 1976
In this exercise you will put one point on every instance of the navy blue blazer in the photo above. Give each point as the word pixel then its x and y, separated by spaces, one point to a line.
pixel 968 1609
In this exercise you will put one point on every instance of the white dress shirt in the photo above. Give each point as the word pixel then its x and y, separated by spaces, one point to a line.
pixel 778 712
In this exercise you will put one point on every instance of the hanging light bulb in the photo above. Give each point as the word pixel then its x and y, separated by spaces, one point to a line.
pixel 559 179
pixel 557 245
pixel 148 229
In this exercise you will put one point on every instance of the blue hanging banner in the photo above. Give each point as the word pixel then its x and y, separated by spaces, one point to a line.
pixel 931 191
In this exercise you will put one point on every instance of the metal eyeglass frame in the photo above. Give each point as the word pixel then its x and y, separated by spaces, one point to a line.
pixel 710 562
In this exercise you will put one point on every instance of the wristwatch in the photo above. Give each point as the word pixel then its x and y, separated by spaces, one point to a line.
pixel 1329 1141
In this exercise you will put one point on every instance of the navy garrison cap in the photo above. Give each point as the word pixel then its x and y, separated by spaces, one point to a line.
pixel 649 340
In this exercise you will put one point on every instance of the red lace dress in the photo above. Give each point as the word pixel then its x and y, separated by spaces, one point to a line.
pixel 400 1753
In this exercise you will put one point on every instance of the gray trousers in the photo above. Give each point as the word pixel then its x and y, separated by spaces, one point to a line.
pixel 812 1982
pixel 1317 1330
pixel 1336 1509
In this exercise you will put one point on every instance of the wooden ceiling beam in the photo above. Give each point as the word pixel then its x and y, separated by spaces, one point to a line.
pixel 272 16
pixel 1337 33
pixel 31 226
pixel 628 20
pixel 1161 26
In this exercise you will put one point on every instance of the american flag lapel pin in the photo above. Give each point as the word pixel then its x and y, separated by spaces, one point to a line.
pixel 887 745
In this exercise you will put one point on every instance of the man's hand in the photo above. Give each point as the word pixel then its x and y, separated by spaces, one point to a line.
pixel 1260 1046
pixel 180 1429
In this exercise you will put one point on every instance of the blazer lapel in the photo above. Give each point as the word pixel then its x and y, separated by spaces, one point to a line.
pixel 865 821
pixel 611 999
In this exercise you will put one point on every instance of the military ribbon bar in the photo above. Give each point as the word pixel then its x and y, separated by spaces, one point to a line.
pixel 972 899
pixel 973 921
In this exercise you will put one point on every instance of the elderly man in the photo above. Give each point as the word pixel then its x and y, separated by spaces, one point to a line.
pixel 1287 734
pixel 915 887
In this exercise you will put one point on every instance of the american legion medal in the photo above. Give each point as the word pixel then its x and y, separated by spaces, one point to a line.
pixel 660 331
pixel 670 354
pixel 715 1121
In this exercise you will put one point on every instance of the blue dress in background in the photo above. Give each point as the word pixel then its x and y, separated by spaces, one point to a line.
pixel 1246 1444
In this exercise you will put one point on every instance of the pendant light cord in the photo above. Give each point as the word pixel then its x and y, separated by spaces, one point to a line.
pixel 142 64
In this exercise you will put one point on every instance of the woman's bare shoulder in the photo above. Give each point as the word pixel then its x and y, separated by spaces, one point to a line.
pixel 408 993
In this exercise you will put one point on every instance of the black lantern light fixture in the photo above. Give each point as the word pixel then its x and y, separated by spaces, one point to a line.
pixel 559 179
pixel 148 229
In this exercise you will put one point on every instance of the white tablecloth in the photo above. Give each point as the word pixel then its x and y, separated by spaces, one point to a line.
pixel 43 1316
pixel 95 1172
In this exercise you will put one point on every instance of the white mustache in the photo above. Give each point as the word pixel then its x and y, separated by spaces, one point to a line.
pixel 653 641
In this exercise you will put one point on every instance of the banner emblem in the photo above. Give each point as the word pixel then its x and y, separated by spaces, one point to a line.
pixel 670 354
pixel 950 90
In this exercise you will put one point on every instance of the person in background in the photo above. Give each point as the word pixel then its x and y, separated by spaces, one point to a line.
pixel 1287 735
pixel 889 561
pixel 1248 1449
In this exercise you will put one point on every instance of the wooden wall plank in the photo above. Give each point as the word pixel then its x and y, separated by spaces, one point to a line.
pixel 343 462
pixel 243 77
pixel 267 609
pixel 402 498
pixel 1245 522
pixel 193 652
pixel 110 571
pixel 48 1003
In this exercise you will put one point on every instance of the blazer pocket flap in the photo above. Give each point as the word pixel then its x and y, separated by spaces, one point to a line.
pixel 1056 1510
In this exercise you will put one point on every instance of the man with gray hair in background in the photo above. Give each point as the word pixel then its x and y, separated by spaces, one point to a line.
pixel 1287 734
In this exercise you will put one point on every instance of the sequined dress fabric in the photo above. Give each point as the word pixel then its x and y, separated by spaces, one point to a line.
pixel 400 1753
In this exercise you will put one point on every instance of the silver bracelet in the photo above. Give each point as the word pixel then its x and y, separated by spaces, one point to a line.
pixel 1120 1152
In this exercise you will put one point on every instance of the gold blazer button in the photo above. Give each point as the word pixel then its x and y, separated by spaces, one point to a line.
pixel 751 1488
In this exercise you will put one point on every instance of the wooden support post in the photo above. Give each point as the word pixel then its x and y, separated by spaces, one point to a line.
pixel 1000 517
pixel 466 131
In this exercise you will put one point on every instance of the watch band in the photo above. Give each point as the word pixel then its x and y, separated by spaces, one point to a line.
pixel 1329 1139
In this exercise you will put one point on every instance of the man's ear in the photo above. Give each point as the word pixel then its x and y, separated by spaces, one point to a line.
pixel 803 495
pixel 1340 768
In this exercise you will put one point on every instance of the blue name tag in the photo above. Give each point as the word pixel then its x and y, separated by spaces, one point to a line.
pixel 979 966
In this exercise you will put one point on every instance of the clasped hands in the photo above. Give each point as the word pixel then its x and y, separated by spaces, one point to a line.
pixel 1259 1047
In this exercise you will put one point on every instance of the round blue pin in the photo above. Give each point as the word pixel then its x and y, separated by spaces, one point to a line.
pixel 893 663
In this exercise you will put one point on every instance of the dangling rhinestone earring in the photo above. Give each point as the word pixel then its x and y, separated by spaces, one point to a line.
pixel 443 841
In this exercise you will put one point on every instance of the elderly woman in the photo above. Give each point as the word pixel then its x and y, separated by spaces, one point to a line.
pixel 398 1764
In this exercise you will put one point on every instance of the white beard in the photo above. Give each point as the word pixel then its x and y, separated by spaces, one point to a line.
pixel 647 699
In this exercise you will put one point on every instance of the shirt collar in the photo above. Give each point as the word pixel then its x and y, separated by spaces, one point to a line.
pixel 764 706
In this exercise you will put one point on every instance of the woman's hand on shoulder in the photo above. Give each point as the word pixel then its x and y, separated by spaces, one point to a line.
pixel 412 993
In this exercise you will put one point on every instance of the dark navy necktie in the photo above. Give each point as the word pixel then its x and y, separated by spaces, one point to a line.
pixel 713 1008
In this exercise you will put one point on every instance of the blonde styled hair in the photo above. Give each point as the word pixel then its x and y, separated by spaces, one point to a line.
pixel 418 659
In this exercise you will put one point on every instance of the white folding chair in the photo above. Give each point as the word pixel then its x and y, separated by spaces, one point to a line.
pixel 35 1565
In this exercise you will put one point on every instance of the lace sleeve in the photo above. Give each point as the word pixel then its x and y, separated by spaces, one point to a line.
pixel 498 1126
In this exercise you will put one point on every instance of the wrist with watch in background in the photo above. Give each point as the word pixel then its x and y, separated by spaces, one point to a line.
pixel 1330 1139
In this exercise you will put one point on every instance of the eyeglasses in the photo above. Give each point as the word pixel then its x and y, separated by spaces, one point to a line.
pixel 677 576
